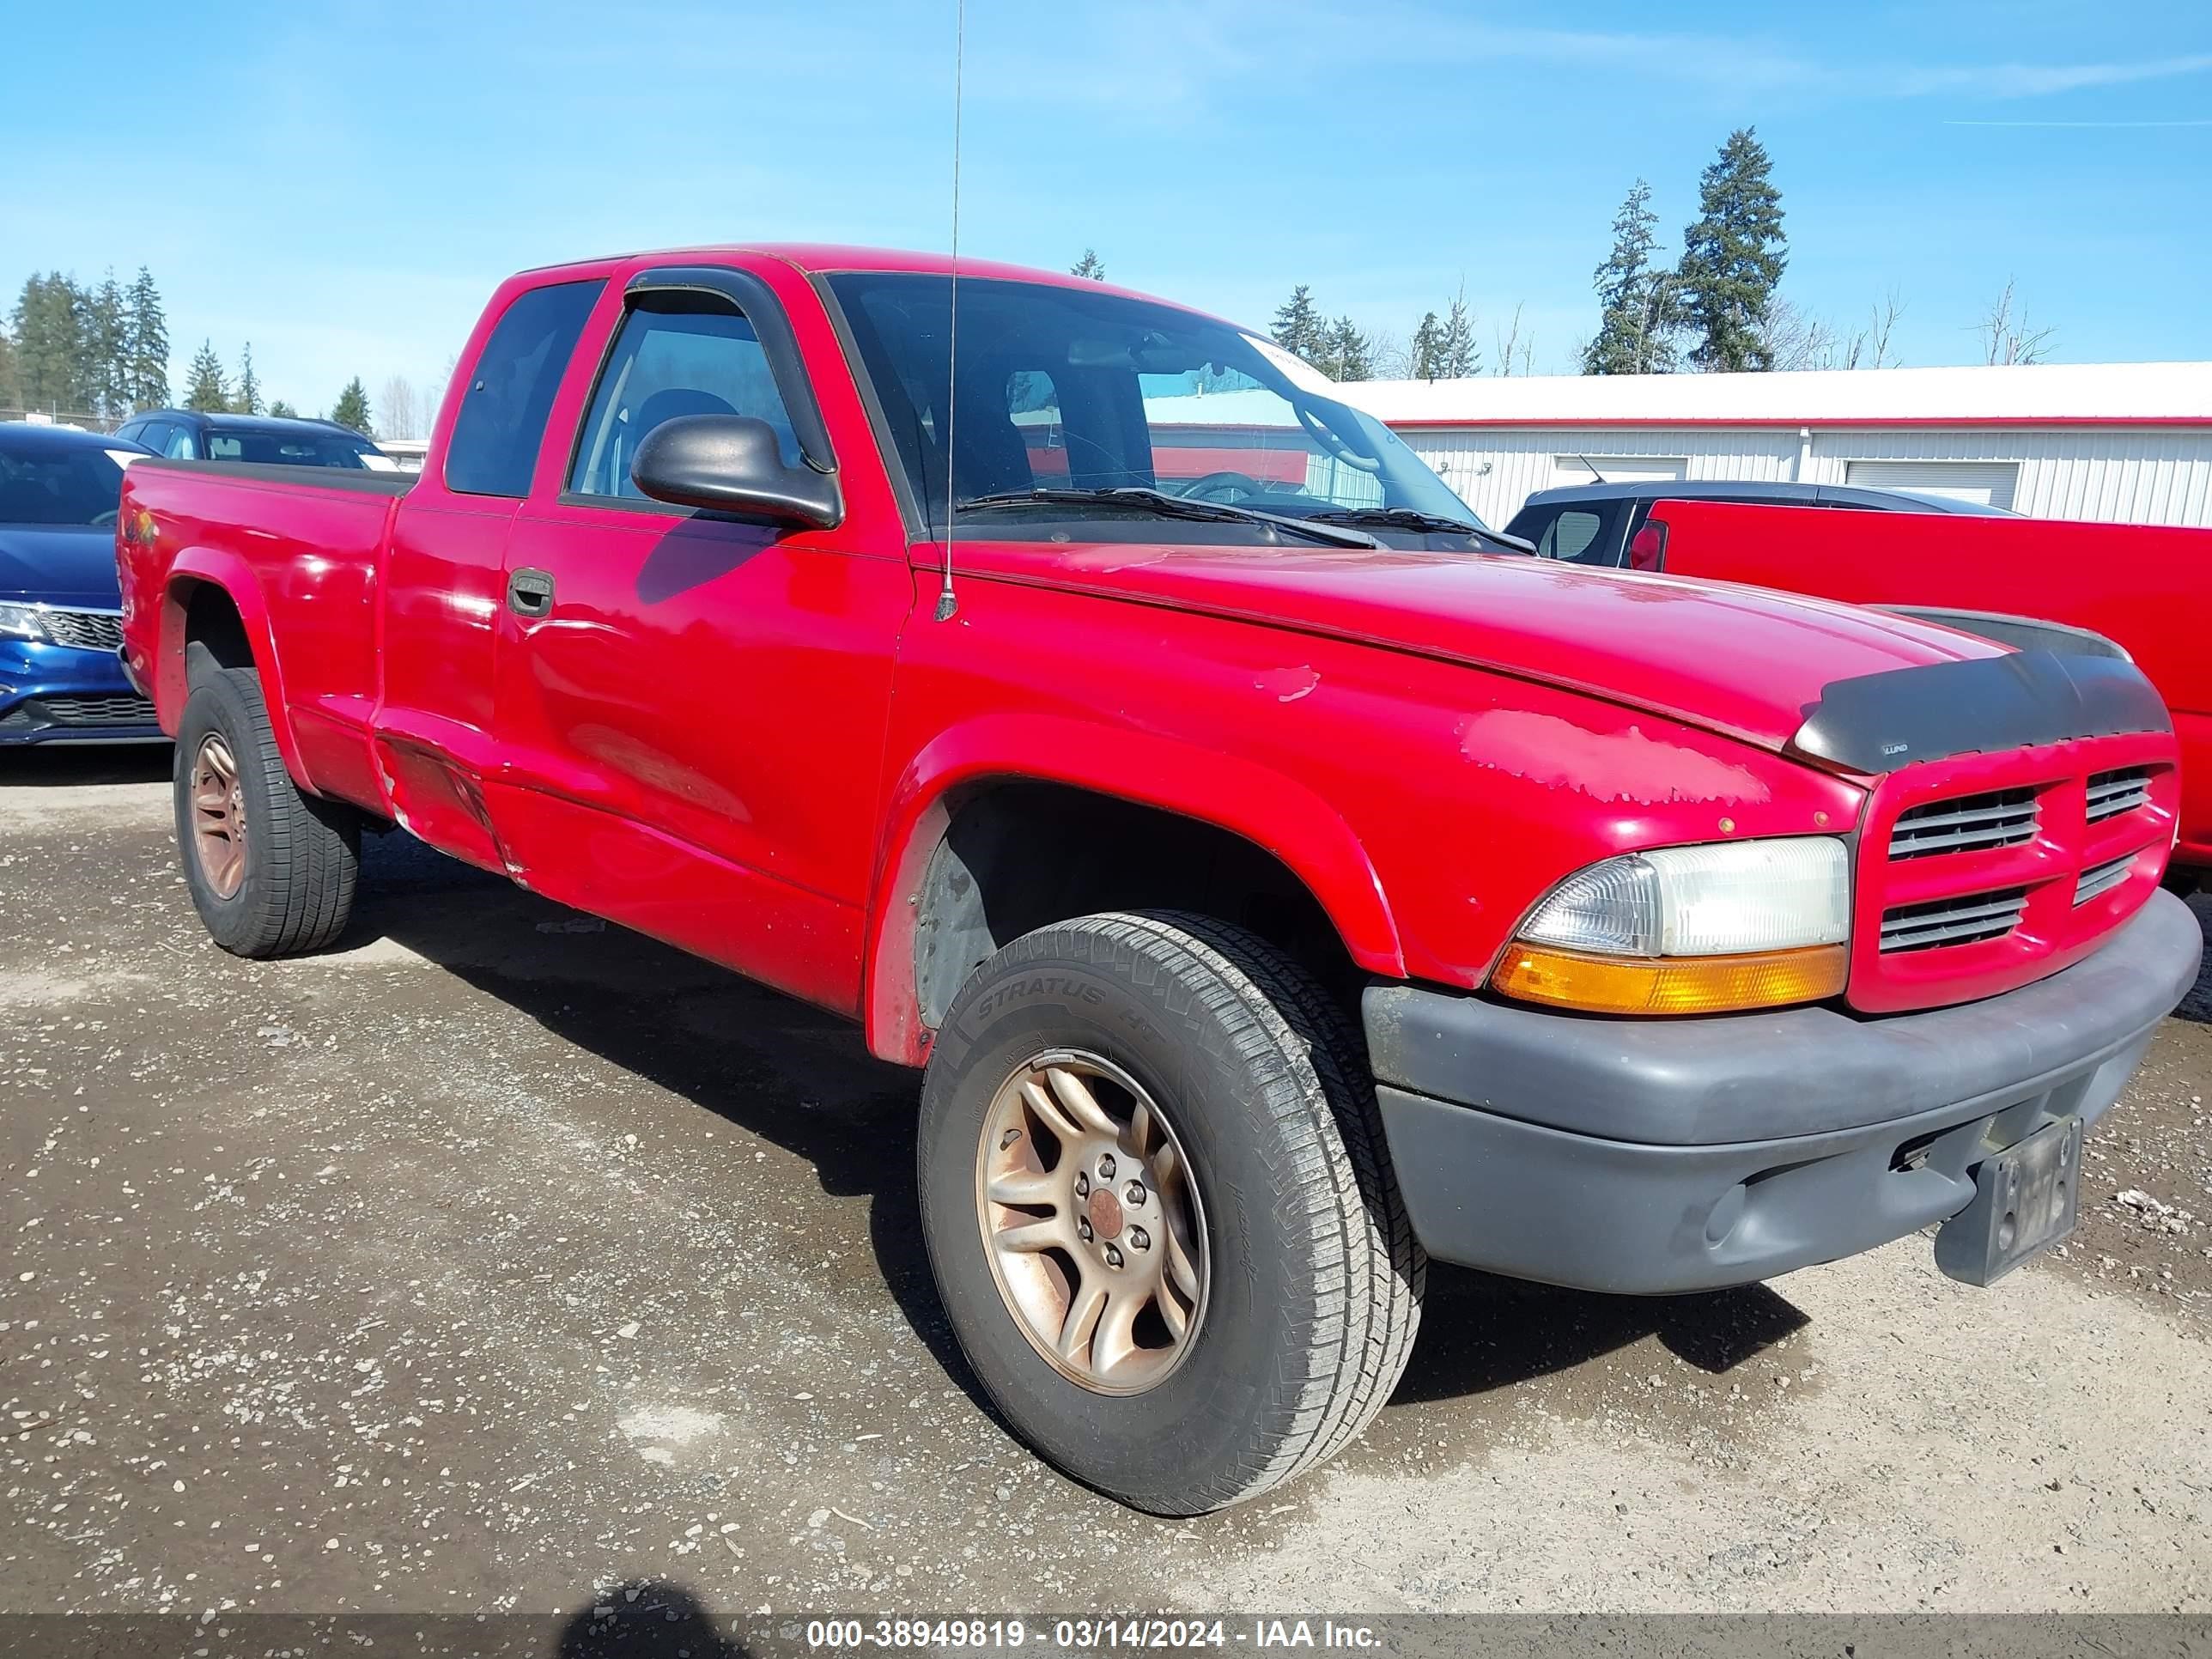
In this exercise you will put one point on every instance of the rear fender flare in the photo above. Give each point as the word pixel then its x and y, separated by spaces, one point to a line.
pixel 191 568
pixel 1274 813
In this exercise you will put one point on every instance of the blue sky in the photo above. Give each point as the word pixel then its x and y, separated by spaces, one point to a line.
pixel 342 185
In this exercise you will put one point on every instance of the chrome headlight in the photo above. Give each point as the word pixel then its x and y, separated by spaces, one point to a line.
pixel 1690 930
pixel 23 622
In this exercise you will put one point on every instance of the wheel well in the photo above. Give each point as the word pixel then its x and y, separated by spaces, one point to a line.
pixel 211 620
pixel 1019 855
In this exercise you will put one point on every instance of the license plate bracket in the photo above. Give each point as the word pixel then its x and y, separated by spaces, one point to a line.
pixel 2026 1199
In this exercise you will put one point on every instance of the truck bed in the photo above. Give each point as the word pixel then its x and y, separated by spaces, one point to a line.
pixel 303 546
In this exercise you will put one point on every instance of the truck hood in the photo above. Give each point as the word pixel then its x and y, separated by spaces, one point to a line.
pixel 1745 662
pixel 59 564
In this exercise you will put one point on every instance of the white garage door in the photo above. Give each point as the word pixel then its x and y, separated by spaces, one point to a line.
pixel 1991 483
pixel 1618 469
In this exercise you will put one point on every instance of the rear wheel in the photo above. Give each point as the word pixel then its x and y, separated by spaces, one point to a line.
pixel 1160 1211
pixel 272 871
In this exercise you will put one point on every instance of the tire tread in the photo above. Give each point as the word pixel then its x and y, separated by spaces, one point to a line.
pixel 305 862
pixel 1326 1145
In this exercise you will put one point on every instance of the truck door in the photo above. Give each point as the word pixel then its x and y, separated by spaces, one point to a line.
pixel 442 578
pixel 691 707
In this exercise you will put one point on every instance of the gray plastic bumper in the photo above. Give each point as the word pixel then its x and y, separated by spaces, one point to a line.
pixel 1682 1155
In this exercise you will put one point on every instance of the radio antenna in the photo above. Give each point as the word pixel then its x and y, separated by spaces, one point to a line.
pixel 947 606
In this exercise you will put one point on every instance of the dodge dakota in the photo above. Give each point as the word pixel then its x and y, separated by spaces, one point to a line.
pixel 1280 880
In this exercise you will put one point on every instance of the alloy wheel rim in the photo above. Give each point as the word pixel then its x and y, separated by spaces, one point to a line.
pixel 218 816
pixel 1092 1222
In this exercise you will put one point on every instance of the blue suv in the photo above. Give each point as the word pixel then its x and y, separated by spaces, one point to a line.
pixel 60 607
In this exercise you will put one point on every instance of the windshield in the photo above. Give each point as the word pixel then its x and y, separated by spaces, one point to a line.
pixel 1065 389
pixel 276 446
pixel 53 485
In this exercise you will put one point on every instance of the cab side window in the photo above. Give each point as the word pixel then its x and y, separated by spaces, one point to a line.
pixel 495 439
pixel 181 446
pixel 1578 535
pixel 675 354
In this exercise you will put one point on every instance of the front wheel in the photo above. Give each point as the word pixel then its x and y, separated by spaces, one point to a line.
pixel 1160 1211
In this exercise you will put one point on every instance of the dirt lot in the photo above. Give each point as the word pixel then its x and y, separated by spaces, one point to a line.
pixel 503 1258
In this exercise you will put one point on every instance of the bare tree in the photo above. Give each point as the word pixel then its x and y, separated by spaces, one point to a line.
pixel 401 410
pixel 2006 336
pixel 1517 352
pixel 1882 325
pixel 1797 339
pixel 1791 337
pixel 1386 350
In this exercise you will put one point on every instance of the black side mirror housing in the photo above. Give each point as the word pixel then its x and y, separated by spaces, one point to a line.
pixel 731 464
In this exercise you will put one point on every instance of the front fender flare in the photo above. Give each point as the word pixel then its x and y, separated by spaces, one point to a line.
pixel 1274 813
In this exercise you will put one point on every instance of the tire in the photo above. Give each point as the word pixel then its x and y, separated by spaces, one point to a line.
pixel 1312 1280
pixel 292 889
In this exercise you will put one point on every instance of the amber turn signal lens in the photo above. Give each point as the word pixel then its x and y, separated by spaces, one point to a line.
pixel 1670 985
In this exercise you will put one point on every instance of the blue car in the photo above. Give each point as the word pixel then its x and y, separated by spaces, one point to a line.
pixel 60 607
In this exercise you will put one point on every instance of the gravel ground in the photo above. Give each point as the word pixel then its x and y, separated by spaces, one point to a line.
pixel 502 1259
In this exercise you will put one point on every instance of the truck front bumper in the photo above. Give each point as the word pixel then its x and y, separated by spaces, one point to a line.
pixel 1650 1157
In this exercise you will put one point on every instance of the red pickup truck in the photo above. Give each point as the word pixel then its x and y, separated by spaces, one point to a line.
pixel 1281 880
pixel 2146 588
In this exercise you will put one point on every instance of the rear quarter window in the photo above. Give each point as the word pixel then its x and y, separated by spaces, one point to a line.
pixel 1580 532
pixel 501 422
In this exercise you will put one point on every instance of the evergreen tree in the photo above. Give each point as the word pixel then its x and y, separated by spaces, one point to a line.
pixel 7 371
pixel 146 344
pixel 246 399
pixel 208 396
pixel 1089 265
pixel 1299 329
pixel 107 351
pixel 1732 256
pixel 53 363
pixel 1637 319
pixel 1428 350
pixel 283 412
pixel 1351 353
pixel 1459 356
pixel 352 407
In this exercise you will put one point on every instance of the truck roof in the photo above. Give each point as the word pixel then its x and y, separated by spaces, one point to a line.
pixel 819 258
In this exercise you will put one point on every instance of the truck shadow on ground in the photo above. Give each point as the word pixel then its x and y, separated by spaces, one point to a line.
pixel 776 1068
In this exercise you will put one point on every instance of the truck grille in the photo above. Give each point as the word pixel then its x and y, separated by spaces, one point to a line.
pixel 2112 793
pixel 85 630
pixel 2004 817
pixel 1953 922
pixel 1981 872
pixel 2102 879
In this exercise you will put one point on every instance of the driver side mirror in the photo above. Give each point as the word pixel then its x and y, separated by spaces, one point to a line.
pixel 731 464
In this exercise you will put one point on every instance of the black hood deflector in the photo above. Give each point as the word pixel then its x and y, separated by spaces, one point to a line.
pixel 2023 700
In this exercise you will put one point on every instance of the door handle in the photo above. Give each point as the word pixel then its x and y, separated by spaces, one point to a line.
pixel 530 592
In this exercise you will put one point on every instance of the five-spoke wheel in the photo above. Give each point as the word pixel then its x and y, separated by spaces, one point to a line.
pixel 1095 1235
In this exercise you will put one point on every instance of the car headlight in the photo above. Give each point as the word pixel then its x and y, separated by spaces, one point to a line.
pixel 22 622
pixel 1690 930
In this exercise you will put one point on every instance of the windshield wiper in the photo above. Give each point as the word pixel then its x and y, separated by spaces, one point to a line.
pixel 1407 518
pixel 1163 504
